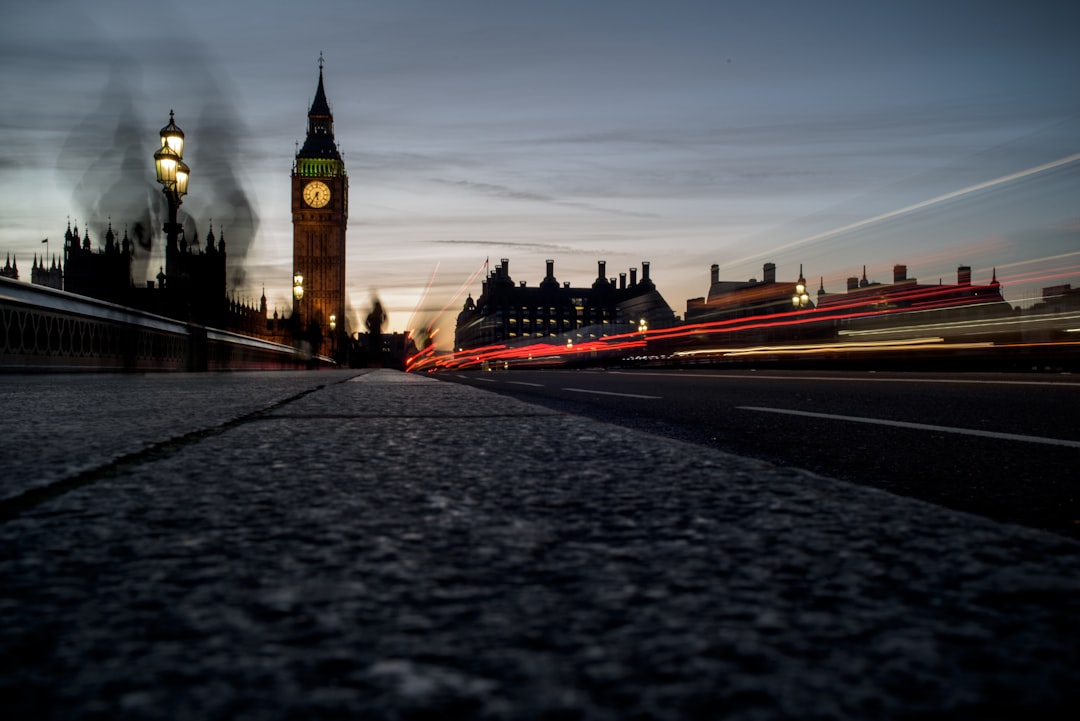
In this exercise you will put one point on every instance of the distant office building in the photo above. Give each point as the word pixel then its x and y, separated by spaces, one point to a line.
pixel 905 308
pixel 772 311
pixel 1058 299
pixel 1052 319
pixel 731 299
pixel 509 313
pixel 906 293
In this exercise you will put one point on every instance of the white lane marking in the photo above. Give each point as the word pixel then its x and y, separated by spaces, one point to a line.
pixel 860 379
pixel 609 393
pixel 485 380
pixel 919 426
pixel 523 383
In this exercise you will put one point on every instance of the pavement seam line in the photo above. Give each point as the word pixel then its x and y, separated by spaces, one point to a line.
pixel 14 506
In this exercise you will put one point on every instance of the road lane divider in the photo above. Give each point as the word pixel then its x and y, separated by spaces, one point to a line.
pixel 523 383
pixel 918 426
pixel 1065 382
pixel 610 393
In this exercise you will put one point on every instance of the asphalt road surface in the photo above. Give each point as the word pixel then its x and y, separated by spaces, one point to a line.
pixel 1002 446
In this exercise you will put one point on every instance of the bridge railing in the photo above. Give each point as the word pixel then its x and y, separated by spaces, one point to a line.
pixel 43 329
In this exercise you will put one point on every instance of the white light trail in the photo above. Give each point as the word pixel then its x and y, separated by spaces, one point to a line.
pixel 1020 174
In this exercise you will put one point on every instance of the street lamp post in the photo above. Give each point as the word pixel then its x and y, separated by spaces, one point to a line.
pixel 333 336
pixel 173 174
pixel 298 292
pixel 801 299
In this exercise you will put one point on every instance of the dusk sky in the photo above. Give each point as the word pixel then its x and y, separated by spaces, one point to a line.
pixel 830 134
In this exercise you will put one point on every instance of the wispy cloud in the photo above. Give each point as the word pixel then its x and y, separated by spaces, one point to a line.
pixel 502 191
pixel 548 247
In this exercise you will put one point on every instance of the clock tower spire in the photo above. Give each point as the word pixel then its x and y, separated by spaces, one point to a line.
pixel 320 211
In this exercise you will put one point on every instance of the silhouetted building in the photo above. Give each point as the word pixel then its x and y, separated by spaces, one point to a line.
pixel 506 312
pixel 50 276
pixel 103 274
pixel 195 281
pixel 10 269
pixel 385 350
pixel 244 317
pixel 191 286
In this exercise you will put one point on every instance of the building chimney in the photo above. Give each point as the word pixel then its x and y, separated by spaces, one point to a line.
pixel 506 266
pixel 715 272
pixel 853 283
pixel 770 273
pixel 549 279
pixel 601 269
pixel 644 271
pixel 899 273
pixel 633 277
pixel 622 281
pixel 963 275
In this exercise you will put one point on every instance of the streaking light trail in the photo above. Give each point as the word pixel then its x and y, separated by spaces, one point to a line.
pixel 423 297
pixel 464 286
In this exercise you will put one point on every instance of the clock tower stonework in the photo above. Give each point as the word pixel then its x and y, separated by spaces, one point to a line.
pixel 320 212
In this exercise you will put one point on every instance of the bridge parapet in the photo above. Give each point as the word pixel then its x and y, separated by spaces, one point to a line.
pixel 42 329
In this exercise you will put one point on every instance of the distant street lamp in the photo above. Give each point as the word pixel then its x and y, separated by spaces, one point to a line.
pixel 643 326
pixel 297 291
pixel 173 174
pixel 801 299
pixel 333 335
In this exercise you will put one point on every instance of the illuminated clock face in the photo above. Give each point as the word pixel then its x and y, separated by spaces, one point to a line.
pixel 316 194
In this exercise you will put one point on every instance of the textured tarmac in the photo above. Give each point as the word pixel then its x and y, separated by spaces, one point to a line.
pixel 388 546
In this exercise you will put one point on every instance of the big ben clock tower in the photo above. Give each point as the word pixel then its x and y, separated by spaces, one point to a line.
pixel 320 211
